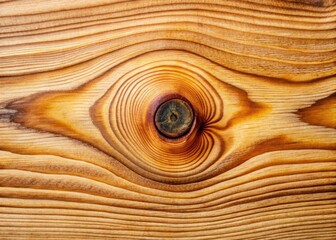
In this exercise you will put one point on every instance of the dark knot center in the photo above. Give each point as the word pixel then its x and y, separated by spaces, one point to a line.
pixel 174 118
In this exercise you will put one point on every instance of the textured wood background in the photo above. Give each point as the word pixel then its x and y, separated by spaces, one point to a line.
pixel 81 159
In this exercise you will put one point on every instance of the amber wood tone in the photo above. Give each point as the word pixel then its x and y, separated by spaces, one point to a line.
pixel 80 153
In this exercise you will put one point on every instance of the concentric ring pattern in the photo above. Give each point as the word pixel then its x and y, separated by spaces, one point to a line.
pixel 133 100
pixel 82 158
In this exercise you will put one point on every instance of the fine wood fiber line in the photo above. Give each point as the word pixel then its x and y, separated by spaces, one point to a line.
pixel 168 119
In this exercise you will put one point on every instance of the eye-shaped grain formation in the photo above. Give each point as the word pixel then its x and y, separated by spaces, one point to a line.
pixel 166 155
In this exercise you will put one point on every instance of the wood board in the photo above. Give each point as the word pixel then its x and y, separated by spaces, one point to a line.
pixel 81 158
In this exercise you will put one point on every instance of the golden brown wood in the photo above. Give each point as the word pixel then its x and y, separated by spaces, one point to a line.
pixel 81 158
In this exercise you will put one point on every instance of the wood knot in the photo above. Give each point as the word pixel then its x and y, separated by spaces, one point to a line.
pixel 174 118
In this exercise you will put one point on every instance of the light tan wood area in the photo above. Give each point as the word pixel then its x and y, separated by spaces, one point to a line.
pixel 82 158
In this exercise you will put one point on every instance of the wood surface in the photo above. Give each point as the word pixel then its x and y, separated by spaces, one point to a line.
pixel 80 157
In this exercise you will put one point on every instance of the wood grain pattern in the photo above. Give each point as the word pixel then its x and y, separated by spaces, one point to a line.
pixel 80 157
